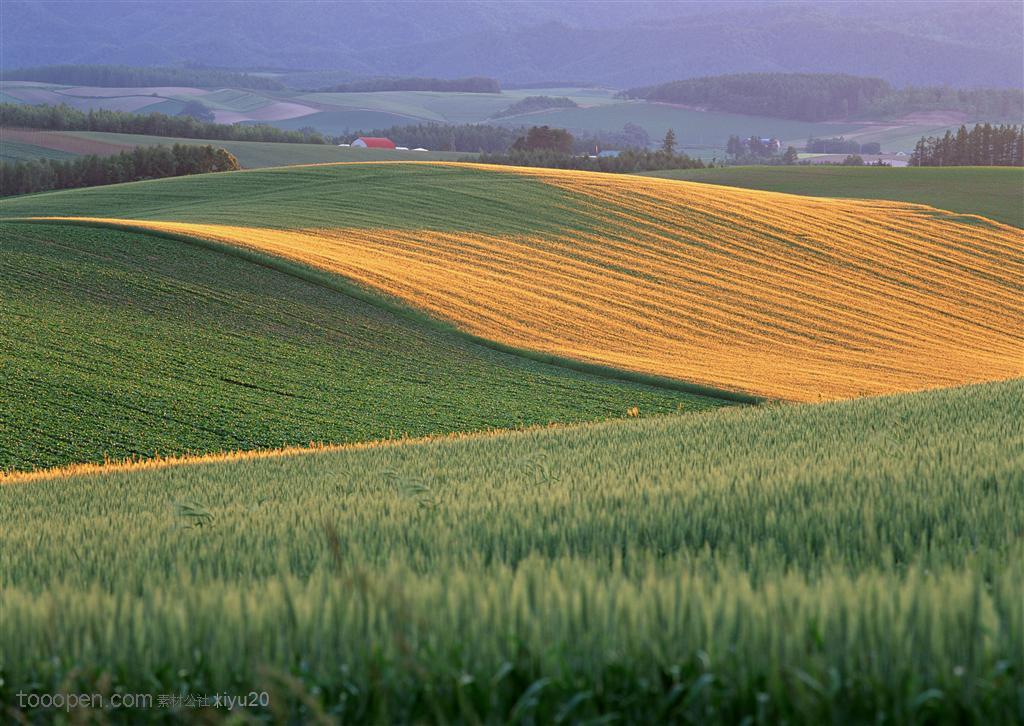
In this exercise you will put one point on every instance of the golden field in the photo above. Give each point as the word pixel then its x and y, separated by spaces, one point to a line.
pixel 770 294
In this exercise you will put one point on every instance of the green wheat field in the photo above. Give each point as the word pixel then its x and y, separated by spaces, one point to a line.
pixel 839 563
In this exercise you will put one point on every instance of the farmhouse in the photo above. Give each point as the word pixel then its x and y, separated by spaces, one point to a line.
pixel 374 142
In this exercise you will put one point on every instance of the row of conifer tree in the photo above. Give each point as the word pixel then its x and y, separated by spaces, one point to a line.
pixel 142 162
pixel 984 145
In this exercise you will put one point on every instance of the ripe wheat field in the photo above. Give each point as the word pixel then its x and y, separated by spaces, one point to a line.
pixel 118 344
pixel 773 295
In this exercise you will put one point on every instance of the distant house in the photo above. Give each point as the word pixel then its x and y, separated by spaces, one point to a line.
pixel 420 148
pixel 345 145
pixel 609 154
pixel 401 148
pixel 374 142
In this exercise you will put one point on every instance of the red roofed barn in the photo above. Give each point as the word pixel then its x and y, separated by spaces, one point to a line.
pixel 374 142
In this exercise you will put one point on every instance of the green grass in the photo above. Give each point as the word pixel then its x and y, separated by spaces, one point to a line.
pixel 843 563
pixel 257 154
pixel 231 99
pixel 440 107
pixel 364 196
pixel 993 192
pixel 341 123
pixel 120 344
pixel 170 107
pixel 18 151
pixel 904 137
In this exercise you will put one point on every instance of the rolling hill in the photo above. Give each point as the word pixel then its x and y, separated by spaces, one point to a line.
pixel 621 44
pixel 697 130
pixel 773 560
pixel 329 112
pixel 764 294
pixel 33 144
pixel 121 345
pixel 993 192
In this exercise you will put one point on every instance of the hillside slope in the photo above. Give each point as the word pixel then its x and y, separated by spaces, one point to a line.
pixel 993 192
pixel 34 144
pixel 118 344
pixel 621 44
pixel 775 295
pixel 679 569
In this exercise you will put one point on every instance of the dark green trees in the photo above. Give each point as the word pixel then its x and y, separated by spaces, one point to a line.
pixel 984 145
pixel 544 138
pixel 821 96
pixel 143 162
pixel 197 111
pixel 668 144
pixel 153 124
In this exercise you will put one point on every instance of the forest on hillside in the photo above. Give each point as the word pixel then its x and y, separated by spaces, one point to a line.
pixel 619 44
pixel 65 118
pixel 142 162
pixel 117 76
pixel 453 85
pixel 824 96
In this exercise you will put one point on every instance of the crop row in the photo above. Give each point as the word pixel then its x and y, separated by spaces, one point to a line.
pixel 799 563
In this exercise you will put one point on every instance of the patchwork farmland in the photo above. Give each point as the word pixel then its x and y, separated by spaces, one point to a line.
pixel 771 296
pixel 700 132
pixel 215 353
pixel 35 144
pixel 556 445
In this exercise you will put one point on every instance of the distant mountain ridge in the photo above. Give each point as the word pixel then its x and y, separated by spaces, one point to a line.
pixel 618 44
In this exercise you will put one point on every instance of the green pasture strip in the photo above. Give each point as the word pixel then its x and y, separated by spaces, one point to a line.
pixel 403 196
pixel 14 151
pixel 121 344
pixel 261 154
pixel 993 192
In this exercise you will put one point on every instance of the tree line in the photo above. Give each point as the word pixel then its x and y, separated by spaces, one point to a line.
pixel 475 84
pixel 996 104
pixel 114 76
pixel 841 145
pixel 487 139
pixel 536 103
pixel 65 118
pixel 803 96
pixel 631 136
pixel 443 137
pixel 628 161
pixel 552 148
pixel 471 138
pixel 142 162
pixel 984 145
pixel 822 96
pixel 756 150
